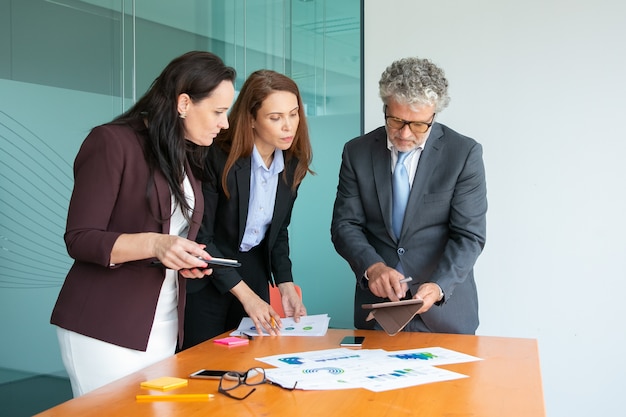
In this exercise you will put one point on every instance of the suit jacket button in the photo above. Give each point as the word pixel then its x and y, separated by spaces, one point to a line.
pixel 400 251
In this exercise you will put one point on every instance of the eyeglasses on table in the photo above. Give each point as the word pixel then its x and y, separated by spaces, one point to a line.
pixel 232 380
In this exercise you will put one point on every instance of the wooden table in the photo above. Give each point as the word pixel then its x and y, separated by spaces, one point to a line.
pixel 507 383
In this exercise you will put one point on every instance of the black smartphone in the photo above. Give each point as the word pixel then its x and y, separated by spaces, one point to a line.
pixel 352 341
pixel 213 263
pixel 207 374
pixel 221 263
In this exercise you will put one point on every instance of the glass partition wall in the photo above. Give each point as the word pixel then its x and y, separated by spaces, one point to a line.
pixel 68 65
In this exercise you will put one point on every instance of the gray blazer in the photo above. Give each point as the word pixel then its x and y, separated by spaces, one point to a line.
pixel 444 229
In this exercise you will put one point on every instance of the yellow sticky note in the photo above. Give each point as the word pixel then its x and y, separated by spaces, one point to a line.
pixel 164 383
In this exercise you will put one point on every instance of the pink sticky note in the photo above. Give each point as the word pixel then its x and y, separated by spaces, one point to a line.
pixel 231 341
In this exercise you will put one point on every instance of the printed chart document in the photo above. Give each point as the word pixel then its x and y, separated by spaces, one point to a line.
pixel 314 325
pixel 372 369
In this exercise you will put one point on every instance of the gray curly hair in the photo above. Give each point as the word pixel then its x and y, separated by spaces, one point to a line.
pixel 414 81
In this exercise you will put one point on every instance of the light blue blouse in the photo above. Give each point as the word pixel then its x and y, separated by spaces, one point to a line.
pixel 263 185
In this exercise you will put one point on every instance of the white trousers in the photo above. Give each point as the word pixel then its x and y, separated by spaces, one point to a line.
pixel 92 363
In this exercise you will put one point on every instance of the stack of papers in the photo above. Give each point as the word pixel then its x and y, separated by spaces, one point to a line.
pixel 373 369
pixel 315 325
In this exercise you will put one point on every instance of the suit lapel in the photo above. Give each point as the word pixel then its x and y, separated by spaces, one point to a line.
pixel 281 206
pixel 198 209
pixel 428 160
pixel 381 167
pixel 283 194
pixel 164 199
pixel 242 175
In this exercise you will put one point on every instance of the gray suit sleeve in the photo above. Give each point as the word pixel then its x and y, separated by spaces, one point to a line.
pixel 348 229
pixel 467 224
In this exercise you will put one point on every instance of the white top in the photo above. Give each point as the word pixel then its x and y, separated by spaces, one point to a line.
pixel 167 306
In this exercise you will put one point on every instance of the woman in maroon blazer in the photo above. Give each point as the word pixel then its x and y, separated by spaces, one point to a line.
pixel 136 199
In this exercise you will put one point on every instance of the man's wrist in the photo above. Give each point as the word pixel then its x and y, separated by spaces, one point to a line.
pixel 363 281
pixel 372 266
pixel 441 295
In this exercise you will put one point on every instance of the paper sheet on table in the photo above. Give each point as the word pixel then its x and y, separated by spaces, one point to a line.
pixel 323 357
pixel 344 368
pixel 373 369
pixel 433 356
pixel 314 325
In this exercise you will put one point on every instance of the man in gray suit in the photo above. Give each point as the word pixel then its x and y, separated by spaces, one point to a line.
pixel 436 236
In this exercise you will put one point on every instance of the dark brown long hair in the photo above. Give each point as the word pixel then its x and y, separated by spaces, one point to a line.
pixel 196 73
pixel 238 140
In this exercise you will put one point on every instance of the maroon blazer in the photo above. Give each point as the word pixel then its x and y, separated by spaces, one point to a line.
pixel 117 303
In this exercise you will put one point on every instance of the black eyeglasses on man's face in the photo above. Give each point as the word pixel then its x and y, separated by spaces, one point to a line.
pixel 232 380
pixel 415 127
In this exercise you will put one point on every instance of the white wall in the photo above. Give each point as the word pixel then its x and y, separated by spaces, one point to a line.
pixel 540 84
